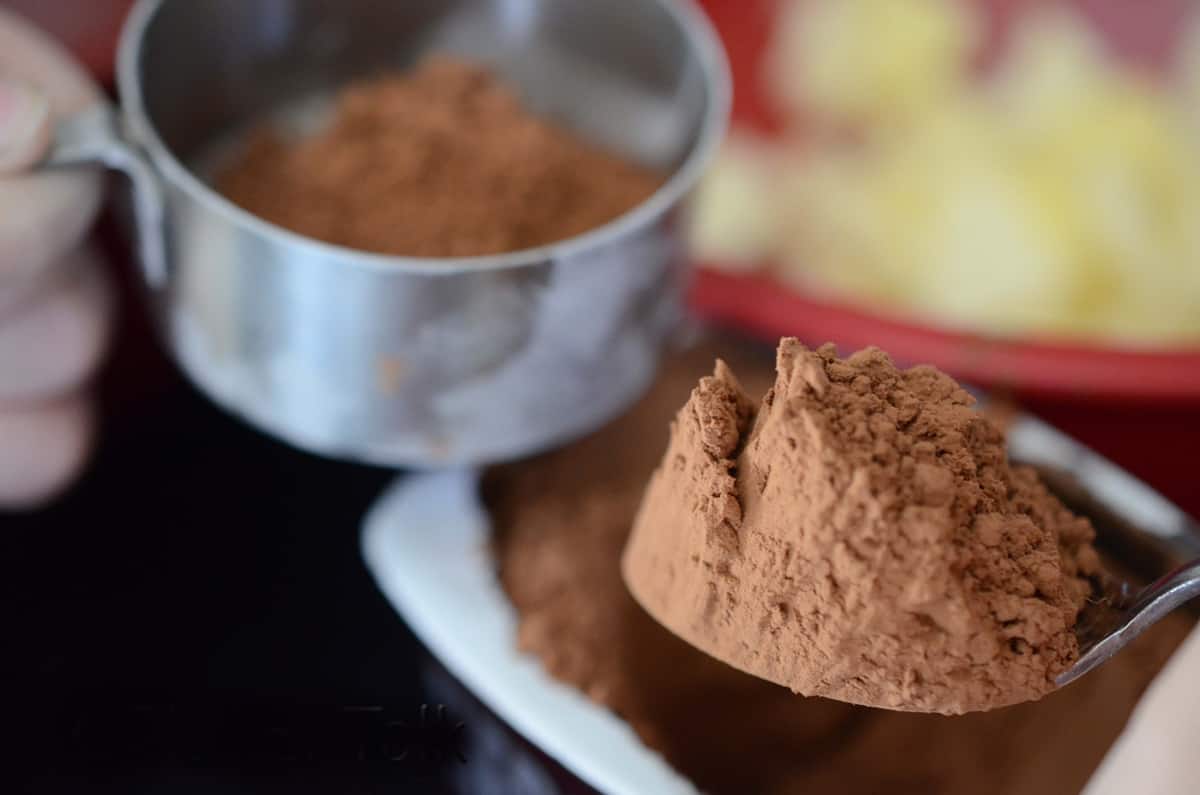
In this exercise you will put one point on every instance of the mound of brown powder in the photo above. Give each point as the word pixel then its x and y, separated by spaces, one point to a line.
pixel 441 162
pixel 562 521
pixel 860 536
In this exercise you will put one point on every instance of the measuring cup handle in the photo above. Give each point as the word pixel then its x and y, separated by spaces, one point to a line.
pixel 93 137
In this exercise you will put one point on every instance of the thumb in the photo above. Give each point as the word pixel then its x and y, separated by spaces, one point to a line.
pixel 24 125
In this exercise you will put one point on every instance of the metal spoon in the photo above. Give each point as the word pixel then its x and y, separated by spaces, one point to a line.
pixel 1130 616
pixel 1141 529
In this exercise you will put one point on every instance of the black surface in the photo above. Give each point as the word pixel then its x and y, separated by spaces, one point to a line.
pixel 206 575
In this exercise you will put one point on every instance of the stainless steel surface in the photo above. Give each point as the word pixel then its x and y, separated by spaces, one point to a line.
pixel 93 136
pixel 1136 525
pixel 1144 610
pixel 407 361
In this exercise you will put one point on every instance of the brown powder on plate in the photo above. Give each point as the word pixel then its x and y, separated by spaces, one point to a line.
pixel 443 161
pixel 562 521
pixel 860 536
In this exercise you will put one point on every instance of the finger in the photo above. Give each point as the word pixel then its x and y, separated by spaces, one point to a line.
pixel 1156 753
pixel 24 125
pixel 53 344
pixel 41 219
pixel 42 216
pixel 29 54
pixel 42 449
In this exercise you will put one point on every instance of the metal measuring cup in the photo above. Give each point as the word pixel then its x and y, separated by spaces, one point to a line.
pixel 394 360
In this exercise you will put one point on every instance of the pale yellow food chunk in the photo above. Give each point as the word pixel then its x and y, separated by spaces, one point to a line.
pixel 1060 196
pixel 868 60
pixel 832 218
pixel 1054 61
pixel 732 216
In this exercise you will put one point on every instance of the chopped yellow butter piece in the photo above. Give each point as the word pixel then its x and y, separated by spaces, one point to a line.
pixel 868 60
pixel 731 220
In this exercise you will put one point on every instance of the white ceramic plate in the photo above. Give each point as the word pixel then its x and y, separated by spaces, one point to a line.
pixel 425 543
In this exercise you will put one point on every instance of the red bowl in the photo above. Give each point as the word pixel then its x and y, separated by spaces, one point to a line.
pixel 764 308
pixel 1067 370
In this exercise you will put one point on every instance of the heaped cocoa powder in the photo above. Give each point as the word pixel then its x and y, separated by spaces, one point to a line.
pixel 442 161
pixel 859 534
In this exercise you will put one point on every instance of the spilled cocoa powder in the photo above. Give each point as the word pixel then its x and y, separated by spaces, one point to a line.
pixel 562 521
pixel 860 535
pixel 443 161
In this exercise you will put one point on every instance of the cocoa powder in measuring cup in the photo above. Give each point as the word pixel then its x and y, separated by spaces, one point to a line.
pixel 442 161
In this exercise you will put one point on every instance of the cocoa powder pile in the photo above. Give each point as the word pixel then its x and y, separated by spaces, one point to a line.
pixel 860 535
pixel 444 161
pixel 562 521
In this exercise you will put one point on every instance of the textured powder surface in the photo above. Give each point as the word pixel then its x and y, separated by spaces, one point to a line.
pixel 440 162
pixel 562 521
pixel 860 536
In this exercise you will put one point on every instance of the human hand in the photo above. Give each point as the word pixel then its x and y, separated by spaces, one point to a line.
pixel 1157 751
pixel 55 300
